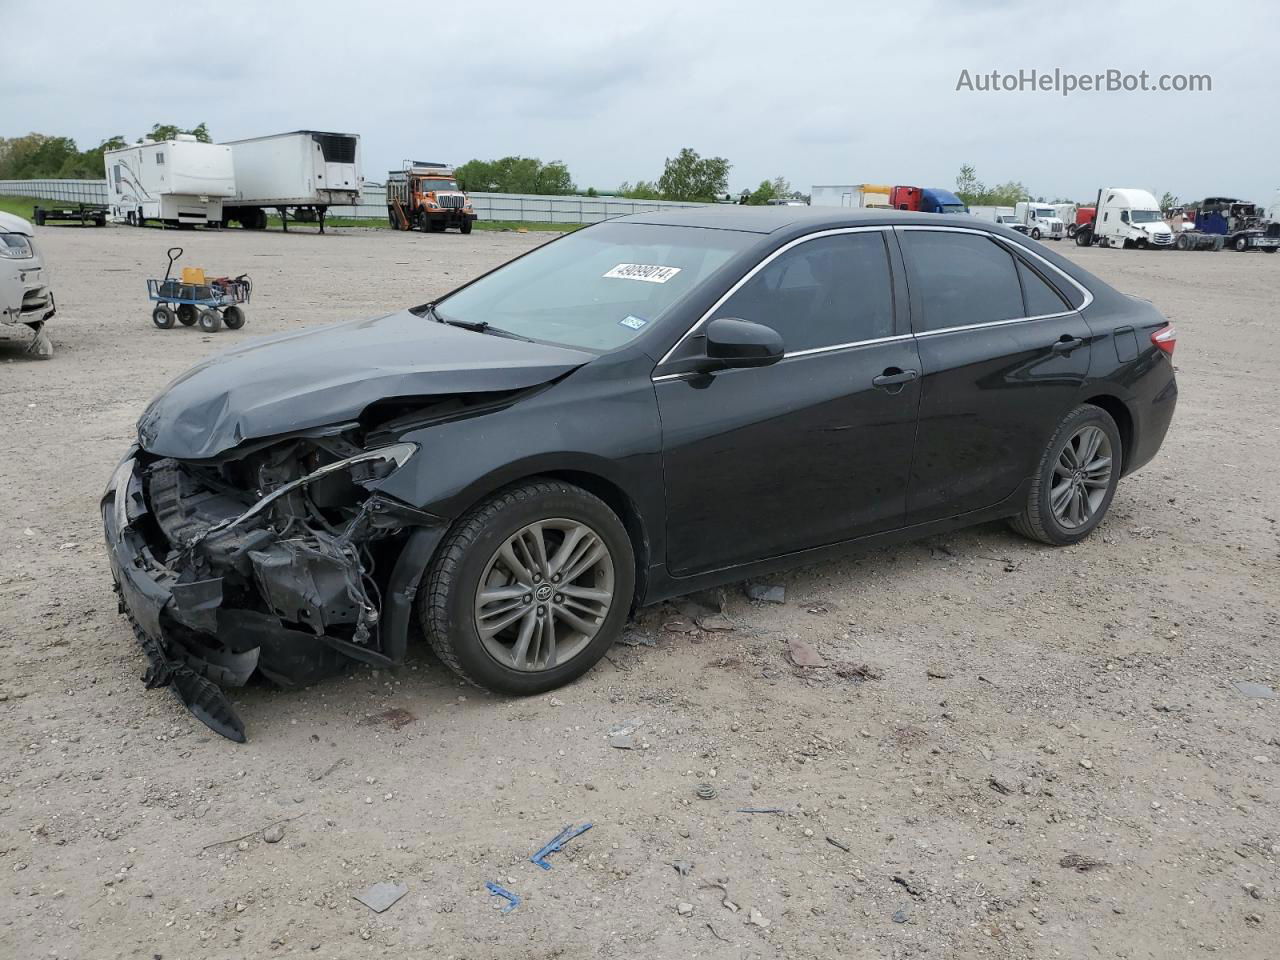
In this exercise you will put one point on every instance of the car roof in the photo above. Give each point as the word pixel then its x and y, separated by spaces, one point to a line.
pixel 769 219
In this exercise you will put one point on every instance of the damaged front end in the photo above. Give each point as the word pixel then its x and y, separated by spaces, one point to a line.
pixel 281 558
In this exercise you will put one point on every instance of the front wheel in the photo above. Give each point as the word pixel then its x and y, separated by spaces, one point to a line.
pixel 233 317
pixel 1241 244
pixel 210 321
pixel 466 227
pixel 1035 233
pixel 530 588
pixel 187 314
pixel 162 317
pixel 1076 479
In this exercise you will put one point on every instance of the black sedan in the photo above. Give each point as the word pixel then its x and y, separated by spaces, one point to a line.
pixel 640 409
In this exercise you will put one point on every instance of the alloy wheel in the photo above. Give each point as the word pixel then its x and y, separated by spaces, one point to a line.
pixel 544 594
pixel 1081 477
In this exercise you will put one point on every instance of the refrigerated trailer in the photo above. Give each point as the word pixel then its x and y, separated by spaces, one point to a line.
pixel 304 171
pixel 178 182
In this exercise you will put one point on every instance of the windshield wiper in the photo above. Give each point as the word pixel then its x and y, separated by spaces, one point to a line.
pixel 476 326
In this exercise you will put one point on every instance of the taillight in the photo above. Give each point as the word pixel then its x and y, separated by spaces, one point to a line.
pixel 1166 338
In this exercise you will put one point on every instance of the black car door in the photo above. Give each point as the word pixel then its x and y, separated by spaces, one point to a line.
pixel 1003 356
pixel 814 449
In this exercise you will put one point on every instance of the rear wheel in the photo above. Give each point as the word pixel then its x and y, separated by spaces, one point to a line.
pixel 162 317
pixel 233 317
pixel 187 314
pixel 1241 244
pixel 530 588
pixel 210 321
pixel 1084 236
pixel 1268 249
pixel 1183 242
pixel 1076 479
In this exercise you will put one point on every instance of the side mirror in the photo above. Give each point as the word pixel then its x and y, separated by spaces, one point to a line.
pixel 741 343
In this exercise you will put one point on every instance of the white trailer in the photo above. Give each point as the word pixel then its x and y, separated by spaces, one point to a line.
pixel 994 214
pixel 179 182
pixel 306 171
pixel 850 195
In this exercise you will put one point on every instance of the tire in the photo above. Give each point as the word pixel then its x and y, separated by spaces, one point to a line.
pixel 1268 249
pixel 39 218
pixel 1035 233
pixel 187 314
pixel 1241 244
pixel 1072 231
pixel 1084 238
pixel 1038 519
pixel 162 317
pixel 1182 243
pixel 210 321
pixel 466 226
pixel 470 553
pixel 233 317
pixel 139 220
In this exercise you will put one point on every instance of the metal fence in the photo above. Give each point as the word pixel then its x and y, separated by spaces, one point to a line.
pixel 523 208
pixel 64 191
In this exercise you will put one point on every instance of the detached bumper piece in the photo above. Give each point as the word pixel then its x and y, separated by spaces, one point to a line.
pixel 218 588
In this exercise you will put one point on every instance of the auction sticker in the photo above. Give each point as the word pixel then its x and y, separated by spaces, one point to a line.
pixel 632 321
pixel 648 272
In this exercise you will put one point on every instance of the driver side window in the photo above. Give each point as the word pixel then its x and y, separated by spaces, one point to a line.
pixel 821 293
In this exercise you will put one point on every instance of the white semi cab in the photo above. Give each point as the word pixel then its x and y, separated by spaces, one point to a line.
pixel 993 214
pixel 306 171
pixel 1127 217
pixel 1040 219
pixel 177 182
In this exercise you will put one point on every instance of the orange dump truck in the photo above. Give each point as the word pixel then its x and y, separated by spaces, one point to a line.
pixel 426 196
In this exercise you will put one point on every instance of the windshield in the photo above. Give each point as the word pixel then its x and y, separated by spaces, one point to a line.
pixel 952 208
pixel 1005 218
pixel 1045 213
pixel 428 186
pixel 597 288
pixel 1145 216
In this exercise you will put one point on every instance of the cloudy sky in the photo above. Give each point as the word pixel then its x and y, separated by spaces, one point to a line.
pixel 817 92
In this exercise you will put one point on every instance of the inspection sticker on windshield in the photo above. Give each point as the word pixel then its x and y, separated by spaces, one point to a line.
pixel 632 321
pixel 648 272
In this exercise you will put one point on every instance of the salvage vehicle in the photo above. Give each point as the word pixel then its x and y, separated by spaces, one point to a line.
pixel 1126 217
pixel 1240 225
pixel 647 407
pixel 25 295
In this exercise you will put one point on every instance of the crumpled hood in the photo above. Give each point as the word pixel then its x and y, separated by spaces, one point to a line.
pixel 328 375
pixel 1154 228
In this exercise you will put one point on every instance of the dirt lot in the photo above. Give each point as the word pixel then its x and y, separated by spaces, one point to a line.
pixel 1019 704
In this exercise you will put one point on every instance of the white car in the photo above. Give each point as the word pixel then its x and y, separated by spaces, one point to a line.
pixel 25 296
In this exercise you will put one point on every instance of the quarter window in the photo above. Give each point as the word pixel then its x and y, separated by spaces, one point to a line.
pixel 159 158
pixel 821 293
pixel 1041 298
pixel 961 279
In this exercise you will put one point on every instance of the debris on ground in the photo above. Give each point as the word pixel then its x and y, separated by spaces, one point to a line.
pixel 683 867
pixel 685 909
pixel 1081 863
pixel 760 810
pixel 803 654
pixel 557 843
pixel 513 901
pixel 380 896
pixel 706 791
pixel 253 833
pixel 273 833
pixel 911 886
pixel 836 843
pixel 901 916
pixel 623 742
pixel 679 626
pixel 715 623
pixel 332 767
pixel 394 717
pixel 634 638
pixel 1251 689
pixel 857 671
pixel 722 886
pixel 766 592
pixel 716 933
pixel 1000 786
pixel 937 673
pixel 757 919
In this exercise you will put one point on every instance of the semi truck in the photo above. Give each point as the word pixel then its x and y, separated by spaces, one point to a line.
pixel 427 196
pixel 1040 219
pixel 180 182
pixel 1083 218
pixel 926 200
pixel 1126 217
pixel 1242 226
pixel 303 171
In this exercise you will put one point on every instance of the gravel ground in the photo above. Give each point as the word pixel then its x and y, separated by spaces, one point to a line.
pixel 1014 751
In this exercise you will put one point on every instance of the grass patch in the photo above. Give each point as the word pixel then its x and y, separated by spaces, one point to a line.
pixel 22 206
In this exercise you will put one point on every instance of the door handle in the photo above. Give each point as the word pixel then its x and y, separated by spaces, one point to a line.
pixel 894 376
pixel 1066 344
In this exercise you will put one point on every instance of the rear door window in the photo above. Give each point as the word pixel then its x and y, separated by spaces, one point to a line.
pixel 960 279
pixel 821 293
pixel 1040 297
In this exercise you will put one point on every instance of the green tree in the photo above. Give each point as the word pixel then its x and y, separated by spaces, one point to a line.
pixel 1169 201
pixel 642 190
pixel 689 177
pixel 762 194
pixel 968 187
pixel 167 131
pixel 1004 194
pixel 516 175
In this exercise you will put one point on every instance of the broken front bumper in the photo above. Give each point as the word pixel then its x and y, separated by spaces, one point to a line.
pixel 197 643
